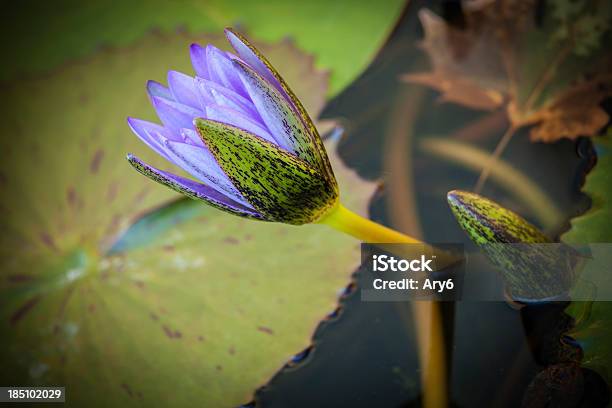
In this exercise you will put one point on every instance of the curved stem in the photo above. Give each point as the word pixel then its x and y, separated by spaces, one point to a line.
pixel 427 316
pixel 499 149
pixel 397 166
pixel 501 172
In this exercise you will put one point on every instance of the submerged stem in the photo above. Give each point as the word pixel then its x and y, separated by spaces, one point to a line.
pixel 505 175
pixel 427 316
pixel 499 149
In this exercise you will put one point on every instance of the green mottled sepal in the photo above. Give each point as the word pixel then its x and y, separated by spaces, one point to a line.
pixel 278 184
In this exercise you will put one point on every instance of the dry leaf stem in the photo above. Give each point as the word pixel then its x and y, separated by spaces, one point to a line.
pixel 508 177
pixel 493 158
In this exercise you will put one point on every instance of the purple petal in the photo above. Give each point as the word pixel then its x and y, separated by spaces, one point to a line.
pixel 250 55
pixel 156 89
pixel 198 60
pixel 174 115
pixel 201 164
pixel 215 94
pixel 191 137
pixel 278 115
pixel 222 71
pixel 227 115
pixel 151 134
pixel 183 89
pixel 193 189
pixel 230 55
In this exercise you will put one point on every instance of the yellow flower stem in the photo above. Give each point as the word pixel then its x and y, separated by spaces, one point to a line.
pixel 425 313
pixel 343 219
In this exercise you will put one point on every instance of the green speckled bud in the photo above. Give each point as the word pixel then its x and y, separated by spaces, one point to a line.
pixel 533 267
pixel 487 222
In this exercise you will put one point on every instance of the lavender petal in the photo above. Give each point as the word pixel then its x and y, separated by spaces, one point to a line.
pixel 151 134
pixel 174 115
pixel 156 89
pixel 221 70
pixel 212 93
pixel 227 115
pixel 183 89
pixel 201 164
pixel 252 57
pixel 191 137
pixel 278 115
pixel 198 60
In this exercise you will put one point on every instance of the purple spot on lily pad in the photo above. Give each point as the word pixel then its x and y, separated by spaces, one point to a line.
pixel 94 165
pixel 172 334
pixel 127 389
pixel 111 194
pixel 48 241
pixel 265 329
pixel 71 196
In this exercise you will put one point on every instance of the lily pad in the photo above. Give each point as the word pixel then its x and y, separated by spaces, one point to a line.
pixel 191 305
pixel 594 225
pixel 594 319
pixel 68 29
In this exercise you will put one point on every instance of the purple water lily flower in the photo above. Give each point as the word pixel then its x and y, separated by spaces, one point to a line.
pixel 241 133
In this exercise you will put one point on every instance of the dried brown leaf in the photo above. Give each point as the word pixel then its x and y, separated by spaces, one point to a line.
pixel 458 90
pixel 457 59
pixel 576 113
pixel 550 75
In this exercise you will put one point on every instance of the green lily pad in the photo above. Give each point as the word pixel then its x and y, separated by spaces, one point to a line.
pixel 344 34
pixel 593 331
pixel 594 319
pixel 594 225
pixel 191 305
